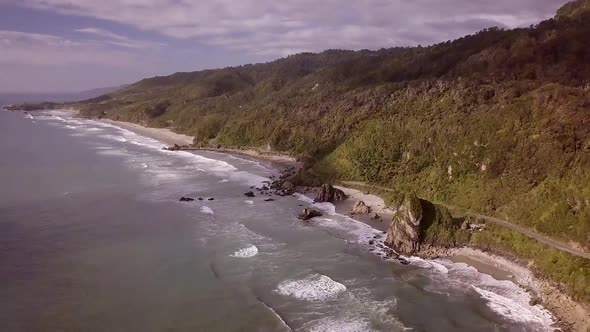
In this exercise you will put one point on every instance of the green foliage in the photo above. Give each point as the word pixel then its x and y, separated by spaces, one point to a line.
pixel 440 228
pixel 157 110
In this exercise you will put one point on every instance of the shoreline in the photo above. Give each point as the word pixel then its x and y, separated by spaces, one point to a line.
pixel 167 136
pixel 569 314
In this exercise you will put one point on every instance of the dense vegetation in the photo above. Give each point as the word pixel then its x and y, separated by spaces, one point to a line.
pixel 497 122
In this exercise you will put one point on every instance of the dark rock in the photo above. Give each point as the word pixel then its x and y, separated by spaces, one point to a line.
pixel 288 188
pixel 360 208
pixel 175 147
pixel 269 200
pixel 211 199
pixel 377 217
pixel 200 198
pixel 309 213
pixel 403 261
pixel 372 242
pixel 330 194
pixel 186 199
pixel 249 194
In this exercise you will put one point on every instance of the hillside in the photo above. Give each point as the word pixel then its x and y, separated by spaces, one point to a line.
pixel 496 123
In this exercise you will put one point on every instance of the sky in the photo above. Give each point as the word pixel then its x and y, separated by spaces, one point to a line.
pixel 75 45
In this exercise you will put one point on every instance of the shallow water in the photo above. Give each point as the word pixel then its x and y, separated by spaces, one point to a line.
pixel 93 238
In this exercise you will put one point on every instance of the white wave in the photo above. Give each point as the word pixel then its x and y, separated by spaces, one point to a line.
pixel 249 202
pixel 250 251
pixel 428 264
pixel 516 311
pixel 328 208
pixel 113 152
pixel 439 267
pixel 71 127
pixel 303 198
pixel 115 138
pixel 354 231
pixel 314 288
pixel 331 324
pixel 207 210
pixel 504 297
pixel 91 129
pixel 223 180
pixel 144 165
pixel 29 116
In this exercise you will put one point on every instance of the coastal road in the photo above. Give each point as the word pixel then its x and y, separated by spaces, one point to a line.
pixel 522 230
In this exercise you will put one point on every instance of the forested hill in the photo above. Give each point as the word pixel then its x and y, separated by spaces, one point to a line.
pixel 497 122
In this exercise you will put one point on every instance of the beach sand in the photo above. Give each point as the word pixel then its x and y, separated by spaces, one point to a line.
pixel 164 135
pixel 376 203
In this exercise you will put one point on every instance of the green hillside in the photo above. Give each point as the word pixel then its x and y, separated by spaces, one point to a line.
pixel 497 122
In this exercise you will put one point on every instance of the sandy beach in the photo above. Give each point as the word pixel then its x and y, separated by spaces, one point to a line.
pixel 164 135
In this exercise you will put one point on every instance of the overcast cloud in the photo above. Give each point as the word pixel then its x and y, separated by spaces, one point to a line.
pixel 240 31
pixel 282 27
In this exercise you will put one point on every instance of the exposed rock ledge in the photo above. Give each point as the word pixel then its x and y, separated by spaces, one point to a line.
pixel 327 193
pixel 360 208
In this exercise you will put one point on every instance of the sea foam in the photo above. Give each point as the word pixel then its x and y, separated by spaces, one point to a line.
pixel 247 252
pixel 517 312
pixel 314 288
pixel 206 210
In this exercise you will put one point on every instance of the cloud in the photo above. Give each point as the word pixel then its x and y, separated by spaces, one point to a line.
pixel 22 48
pixel 272 27
pixel 118 40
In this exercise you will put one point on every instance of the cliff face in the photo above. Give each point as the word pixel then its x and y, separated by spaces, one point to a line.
pixel 404 233
pixel 419 225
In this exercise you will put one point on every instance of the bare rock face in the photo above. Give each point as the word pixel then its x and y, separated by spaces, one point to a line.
pixel 328 193
pixel 403 235
pixel 360 208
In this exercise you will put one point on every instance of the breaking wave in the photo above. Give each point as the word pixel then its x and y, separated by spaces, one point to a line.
pixel 250 251
pixel 313 288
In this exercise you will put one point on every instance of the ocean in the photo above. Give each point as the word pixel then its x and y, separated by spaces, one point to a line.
pixel 93 237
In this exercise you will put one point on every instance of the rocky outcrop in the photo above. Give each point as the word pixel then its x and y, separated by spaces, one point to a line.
pixel 308 214
pixel 327 193
pixel 249 194
pixel 403 235
pixel 360 208
pixel 186 199
pixel 288 188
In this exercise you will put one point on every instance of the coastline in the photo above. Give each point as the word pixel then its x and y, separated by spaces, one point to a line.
pixel 569 315
pixel 170 137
